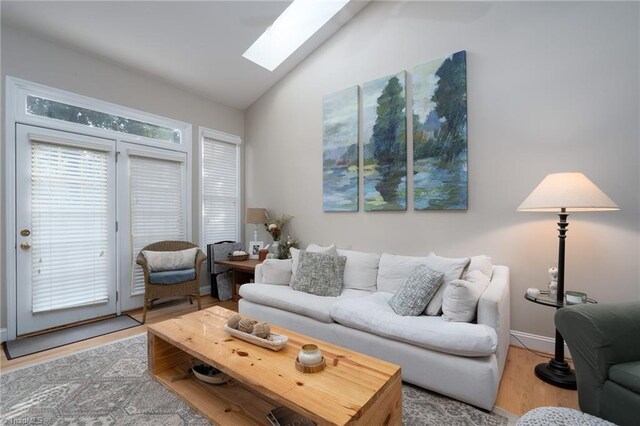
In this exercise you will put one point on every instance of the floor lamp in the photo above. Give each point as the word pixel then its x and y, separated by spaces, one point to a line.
pixel 563 193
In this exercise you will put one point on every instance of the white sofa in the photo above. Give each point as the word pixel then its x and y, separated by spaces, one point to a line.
pixel 464 361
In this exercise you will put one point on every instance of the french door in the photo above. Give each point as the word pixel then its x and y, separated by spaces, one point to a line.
pixel 66 228
pixel 85 208
pixel 153 205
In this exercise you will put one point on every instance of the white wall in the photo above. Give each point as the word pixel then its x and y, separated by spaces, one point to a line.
pixel 31 58
pixel 551 87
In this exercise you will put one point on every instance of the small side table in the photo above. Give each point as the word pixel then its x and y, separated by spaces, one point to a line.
pixel 243 271
pixel 557 371
pixel 550 300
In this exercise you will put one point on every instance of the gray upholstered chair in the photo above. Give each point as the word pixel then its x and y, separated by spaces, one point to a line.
pixel 170 283
pixel 604 341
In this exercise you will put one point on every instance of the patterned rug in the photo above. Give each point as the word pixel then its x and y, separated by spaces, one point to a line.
pixel 109 385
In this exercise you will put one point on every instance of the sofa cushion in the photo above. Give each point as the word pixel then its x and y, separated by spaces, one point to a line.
pixel 315 248
pixel 299 302
pixel 416 292
pixel 172 277
pixel 276 271
pixel 374 315
pixel 626 374
pixel 170 260
pixel 361 270
pixel 312 248
pixel 394 270
pixel 319 274
pixel 460 301
pixel 482 263
pixel 452 269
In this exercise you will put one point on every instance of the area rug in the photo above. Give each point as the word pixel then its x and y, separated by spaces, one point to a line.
pixel 30 345
pixel 109 385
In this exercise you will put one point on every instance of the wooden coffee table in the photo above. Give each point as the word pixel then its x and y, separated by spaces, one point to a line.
pixel 353 388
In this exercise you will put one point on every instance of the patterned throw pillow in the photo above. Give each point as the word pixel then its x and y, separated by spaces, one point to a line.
pixel 416 292
pixel 319 274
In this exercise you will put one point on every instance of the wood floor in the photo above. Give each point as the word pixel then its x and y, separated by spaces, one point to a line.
pixel 520 391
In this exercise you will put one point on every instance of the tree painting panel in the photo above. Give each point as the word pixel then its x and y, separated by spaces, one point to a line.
pixel 440 134
pixel 385 143
pixel 340 151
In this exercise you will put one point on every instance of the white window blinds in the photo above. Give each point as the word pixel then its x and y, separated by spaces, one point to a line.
pixel 220 191
pixel 157 206
pixel 70 229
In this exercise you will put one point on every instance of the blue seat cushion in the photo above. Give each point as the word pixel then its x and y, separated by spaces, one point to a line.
pixel 172 277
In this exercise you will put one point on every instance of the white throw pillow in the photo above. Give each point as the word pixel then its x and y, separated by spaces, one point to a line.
pixel 313 248
pixel 482 263
pixel 361 270
pixel 461 297
pixel 452 270
pixel 394 270
pixel 170 260
pixel 276 271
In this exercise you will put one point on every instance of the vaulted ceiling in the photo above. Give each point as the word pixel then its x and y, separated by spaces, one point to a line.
pixel 195 45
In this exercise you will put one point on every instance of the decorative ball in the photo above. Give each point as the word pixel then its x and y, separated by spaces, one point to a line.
pixel 262 330
pixel 245 325
pixel 233 321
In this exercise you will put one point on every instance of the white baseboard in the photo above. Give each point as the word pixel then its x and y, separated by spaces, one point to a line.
pixel 3 335
pixel 205 290
pixel 537 343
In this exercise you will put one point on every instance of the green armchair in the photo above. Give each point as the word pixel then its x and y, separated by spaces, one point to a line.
pixel 604 341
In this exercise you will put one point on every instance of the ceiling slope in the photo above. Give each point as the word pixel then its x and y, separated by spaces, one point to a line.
pixel 194 45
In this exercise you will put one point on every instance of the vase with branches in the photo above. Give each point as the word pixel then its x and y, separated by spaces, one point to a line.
pixel 275 226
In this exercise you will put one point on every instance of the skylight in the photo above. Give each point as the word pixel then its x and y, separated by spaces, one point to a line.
pixel 299 21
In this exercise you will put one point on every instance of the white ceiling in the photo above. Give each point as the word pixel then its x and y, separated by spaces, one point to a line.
pixel 195 45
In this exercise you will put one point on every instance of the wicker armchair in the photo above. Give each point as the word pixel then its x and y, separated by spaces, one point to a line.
pixel 189 289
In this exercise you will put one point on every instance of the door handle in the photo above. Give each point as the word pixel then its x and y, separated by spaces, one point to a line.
pixel 25 246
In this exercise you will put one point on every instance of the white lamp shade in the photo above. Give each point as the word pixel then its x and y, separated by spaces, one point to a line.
pixel 571 191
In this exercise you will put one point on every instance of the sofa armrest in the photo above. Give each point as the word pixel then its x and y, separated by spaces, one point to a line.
pixel 598 337
pixel 273 271
pixel 257 275
pixel 494 310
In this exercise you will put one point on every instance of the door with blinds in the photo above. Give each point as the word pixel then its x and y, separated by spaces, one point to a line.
pixel 153 207
pixel 66 220
pixel 220 190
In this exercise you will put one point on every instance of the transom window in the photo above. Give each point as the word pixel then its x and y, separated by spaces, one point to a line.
pixel 74 114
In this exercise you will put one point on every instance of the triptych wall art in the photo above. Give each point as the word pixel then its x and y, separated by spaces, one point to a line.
pixel 439 141
pixel 385 143
pixel 340 151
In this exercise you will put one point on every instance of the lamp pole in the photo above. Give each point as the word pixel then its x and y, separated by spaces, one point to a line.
pixel 557 371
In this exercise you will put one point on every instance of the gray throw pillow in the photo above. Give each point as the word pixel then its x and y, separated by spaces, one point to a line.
pixel 319 274
pixel 416 292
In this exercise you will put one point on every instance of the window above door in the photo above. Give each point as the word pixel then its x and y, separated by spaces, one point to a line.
pixel 36 104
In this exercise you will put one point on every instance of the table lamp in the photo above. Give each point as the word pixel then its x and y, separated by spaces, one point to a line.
pixel 256 217
pixel 564 193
